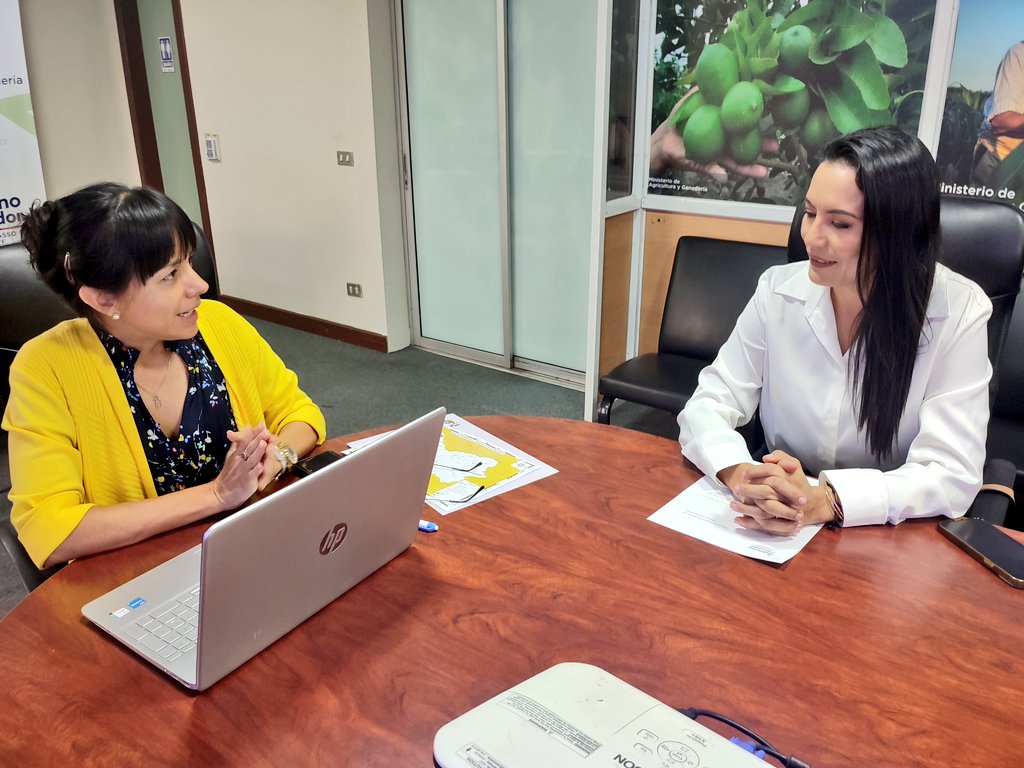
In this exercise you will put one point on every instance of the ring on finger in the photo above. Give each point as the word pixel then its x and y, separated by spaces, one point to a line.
pixel 244 457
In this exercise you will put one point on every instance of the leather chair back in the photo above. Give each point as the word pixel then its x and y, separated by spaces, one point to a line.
pixel 1009 403
pixel 712 281
pixel 984 242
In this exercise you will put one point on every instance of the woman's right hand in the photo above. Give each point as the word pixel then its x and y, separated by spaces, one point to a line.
pixel 766 496
pixel 243 464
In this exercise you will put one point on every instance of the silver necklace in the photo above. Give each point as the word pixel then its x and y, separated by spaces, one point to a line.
pixel 155 394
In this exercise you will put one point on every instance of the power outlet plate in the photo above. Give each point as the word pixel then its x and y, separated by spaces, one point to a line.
pixel 355 290
pixel 346 158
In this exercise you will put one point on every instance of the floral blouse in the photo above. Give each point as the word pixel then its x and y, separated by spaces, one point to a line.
pixel 196 455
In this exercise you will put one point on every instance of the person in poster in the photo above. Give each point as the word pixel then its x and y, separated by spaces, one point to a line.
pixel 1003 127
pixel 747 92
pixel 980 151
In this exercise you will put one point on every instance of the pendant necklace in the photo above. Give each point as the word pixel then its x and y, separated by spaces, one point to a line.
pixel 155 394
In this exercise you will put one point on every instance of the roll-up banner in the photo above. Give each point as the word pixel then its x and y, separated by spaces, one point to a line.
pixel 21 173
pixel 981 146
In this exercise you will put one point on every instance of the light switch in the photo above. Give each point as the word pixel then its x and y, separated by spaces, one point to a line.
pixel 213 147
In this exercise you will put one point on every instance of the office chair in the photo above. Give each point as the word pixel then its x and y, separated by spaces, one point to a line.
pixel 1006 424
pixel 983 241
pixel 28 308
pixel 711 282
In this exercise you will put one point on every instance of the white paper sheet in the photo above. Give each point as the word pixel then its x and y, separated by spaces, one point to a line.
pixel 702 511
pixel 473 465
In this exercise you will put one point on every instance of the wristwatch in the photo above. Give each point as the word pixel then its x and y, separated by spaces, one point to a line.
pixel 285 454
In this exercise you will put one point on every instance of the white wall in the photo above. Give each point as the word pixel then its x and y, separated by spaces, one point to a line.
pixel 285 86
pixel 78 94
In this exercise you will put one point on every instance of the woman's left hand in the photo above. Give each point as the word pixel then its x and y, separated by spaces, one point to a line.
pixel 271 464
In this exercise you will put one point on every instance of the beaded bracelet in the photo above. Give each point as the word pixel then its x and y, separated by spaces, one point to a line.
pixel 837 507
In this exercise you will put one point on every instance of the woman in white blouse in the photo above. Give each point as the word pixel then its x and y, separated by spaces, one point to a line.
pixel 869 362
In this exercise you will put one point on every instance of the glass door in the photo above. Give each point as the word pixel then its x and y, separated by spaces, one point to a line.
pixel 454 65
pixel 500 102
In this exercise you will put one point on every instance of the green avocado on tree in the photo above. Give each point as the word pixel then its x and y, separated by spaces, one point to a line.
pixel 800 74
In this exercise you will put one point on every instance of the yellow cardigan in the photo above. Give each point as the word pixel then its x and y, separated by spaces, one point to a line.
pixel 73 441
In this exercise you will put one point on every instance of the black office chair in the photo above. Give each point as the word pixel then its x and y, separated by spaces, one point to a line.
pixel 983 241
pixel 28 308
pixel 711 282
pixel 1006 425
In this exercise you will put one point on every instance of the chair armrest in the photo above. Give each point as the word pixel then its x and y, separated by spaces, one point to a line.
pixel 31 576
pixel 995 499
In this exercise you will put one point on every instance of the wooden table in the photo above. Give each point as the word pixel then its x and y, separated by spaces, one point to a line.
pixel 873 647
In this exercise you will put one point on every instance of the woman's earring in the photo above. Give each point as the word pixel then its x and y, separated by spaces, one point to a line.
pixel 116 316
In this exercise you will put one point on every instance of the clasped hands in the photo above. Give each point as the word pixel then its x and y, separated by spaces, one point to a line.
pixel 775 496
pixel 249 465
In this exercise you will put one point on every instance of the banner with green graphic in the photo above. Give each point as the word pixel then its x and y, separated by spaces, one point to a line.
pixel 981 145
pixel 747 92
pixel 21 174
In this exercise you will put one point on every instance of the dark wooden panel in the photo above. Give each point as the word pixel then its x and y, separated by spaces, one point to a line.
pixel 357 336
pixel 139 106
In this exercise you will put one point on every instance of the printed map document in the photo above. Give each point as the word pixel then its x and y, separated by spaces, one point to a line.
pixel 702 511
pixel 473 465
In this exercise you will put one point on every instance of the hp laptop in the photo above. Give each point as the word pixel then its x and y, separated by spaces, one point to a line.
pixel 267 568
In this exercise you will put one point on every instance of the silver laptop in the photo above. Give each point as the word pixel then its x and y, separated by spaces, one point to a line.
pixel 269 567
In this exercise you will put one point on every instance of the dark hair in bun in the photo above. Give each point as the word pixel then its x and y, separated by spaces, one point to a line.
pixel 104 236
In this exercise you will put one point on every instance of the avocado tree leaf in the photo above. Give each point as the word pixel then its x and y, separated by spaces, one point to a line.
pixel 816 9
pixel 763 67
pixel 861 66
pixel 851 29
pixel 882 117
pixel 743 62
pixel 784 84
pixel 888 43
pixel 821 52
pixel 756 17
pixel 780 10
pixel 846 106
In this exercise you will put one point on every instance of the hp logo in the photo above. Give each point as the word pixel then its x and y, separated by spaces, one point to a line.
pixel 333 538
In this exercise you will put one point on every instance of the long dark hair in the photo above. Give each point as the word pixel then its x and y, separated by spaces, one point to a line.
pixel 898 252
pixel 104 236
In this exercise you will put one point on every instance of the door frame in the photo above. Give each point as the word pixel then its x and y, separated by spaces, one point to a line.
pixel 141 109
pixel 504 359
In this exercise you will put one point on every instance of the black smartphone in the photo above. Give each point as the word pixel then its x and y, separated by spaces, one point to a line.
pixel 311 464
pixel 989 546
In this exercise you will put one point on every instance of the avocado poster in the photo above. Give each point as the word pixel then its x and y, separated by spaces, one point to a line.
pixel 747 92
pixel 981 140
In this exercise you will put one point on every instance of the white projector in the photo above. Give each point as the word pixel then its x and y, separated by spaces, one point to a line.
pixel 577 715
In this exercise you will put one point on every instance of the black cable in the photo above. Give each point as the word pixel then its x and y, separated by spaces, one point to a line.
pixel 791 761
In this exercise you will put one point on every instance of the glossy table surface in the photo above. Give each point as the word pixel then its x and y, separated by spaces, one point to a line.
pixel 874 646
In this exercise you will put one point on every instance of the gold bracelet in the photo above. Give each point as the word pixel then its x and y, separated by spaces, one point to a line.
pixel 837 507
pixel 285 454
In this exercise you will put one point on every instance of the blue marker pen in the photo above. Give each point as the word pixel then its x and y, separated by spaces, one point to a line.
pixel 428 527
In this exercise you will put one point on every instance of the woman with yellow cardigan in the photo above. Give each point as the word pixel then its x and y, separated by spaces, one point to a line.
pixel 152 410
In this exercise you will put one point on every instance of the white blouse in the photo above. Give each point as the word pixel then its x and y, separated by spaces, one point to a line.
pixel 783 355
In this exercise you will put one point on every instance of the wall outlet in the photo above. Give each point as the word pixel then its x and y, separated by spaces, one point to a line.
pixel 346 158
pixel 355 290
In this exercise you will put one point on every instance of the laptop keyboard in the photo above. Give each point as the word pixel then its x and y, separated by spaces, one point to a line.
pixel 171 630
